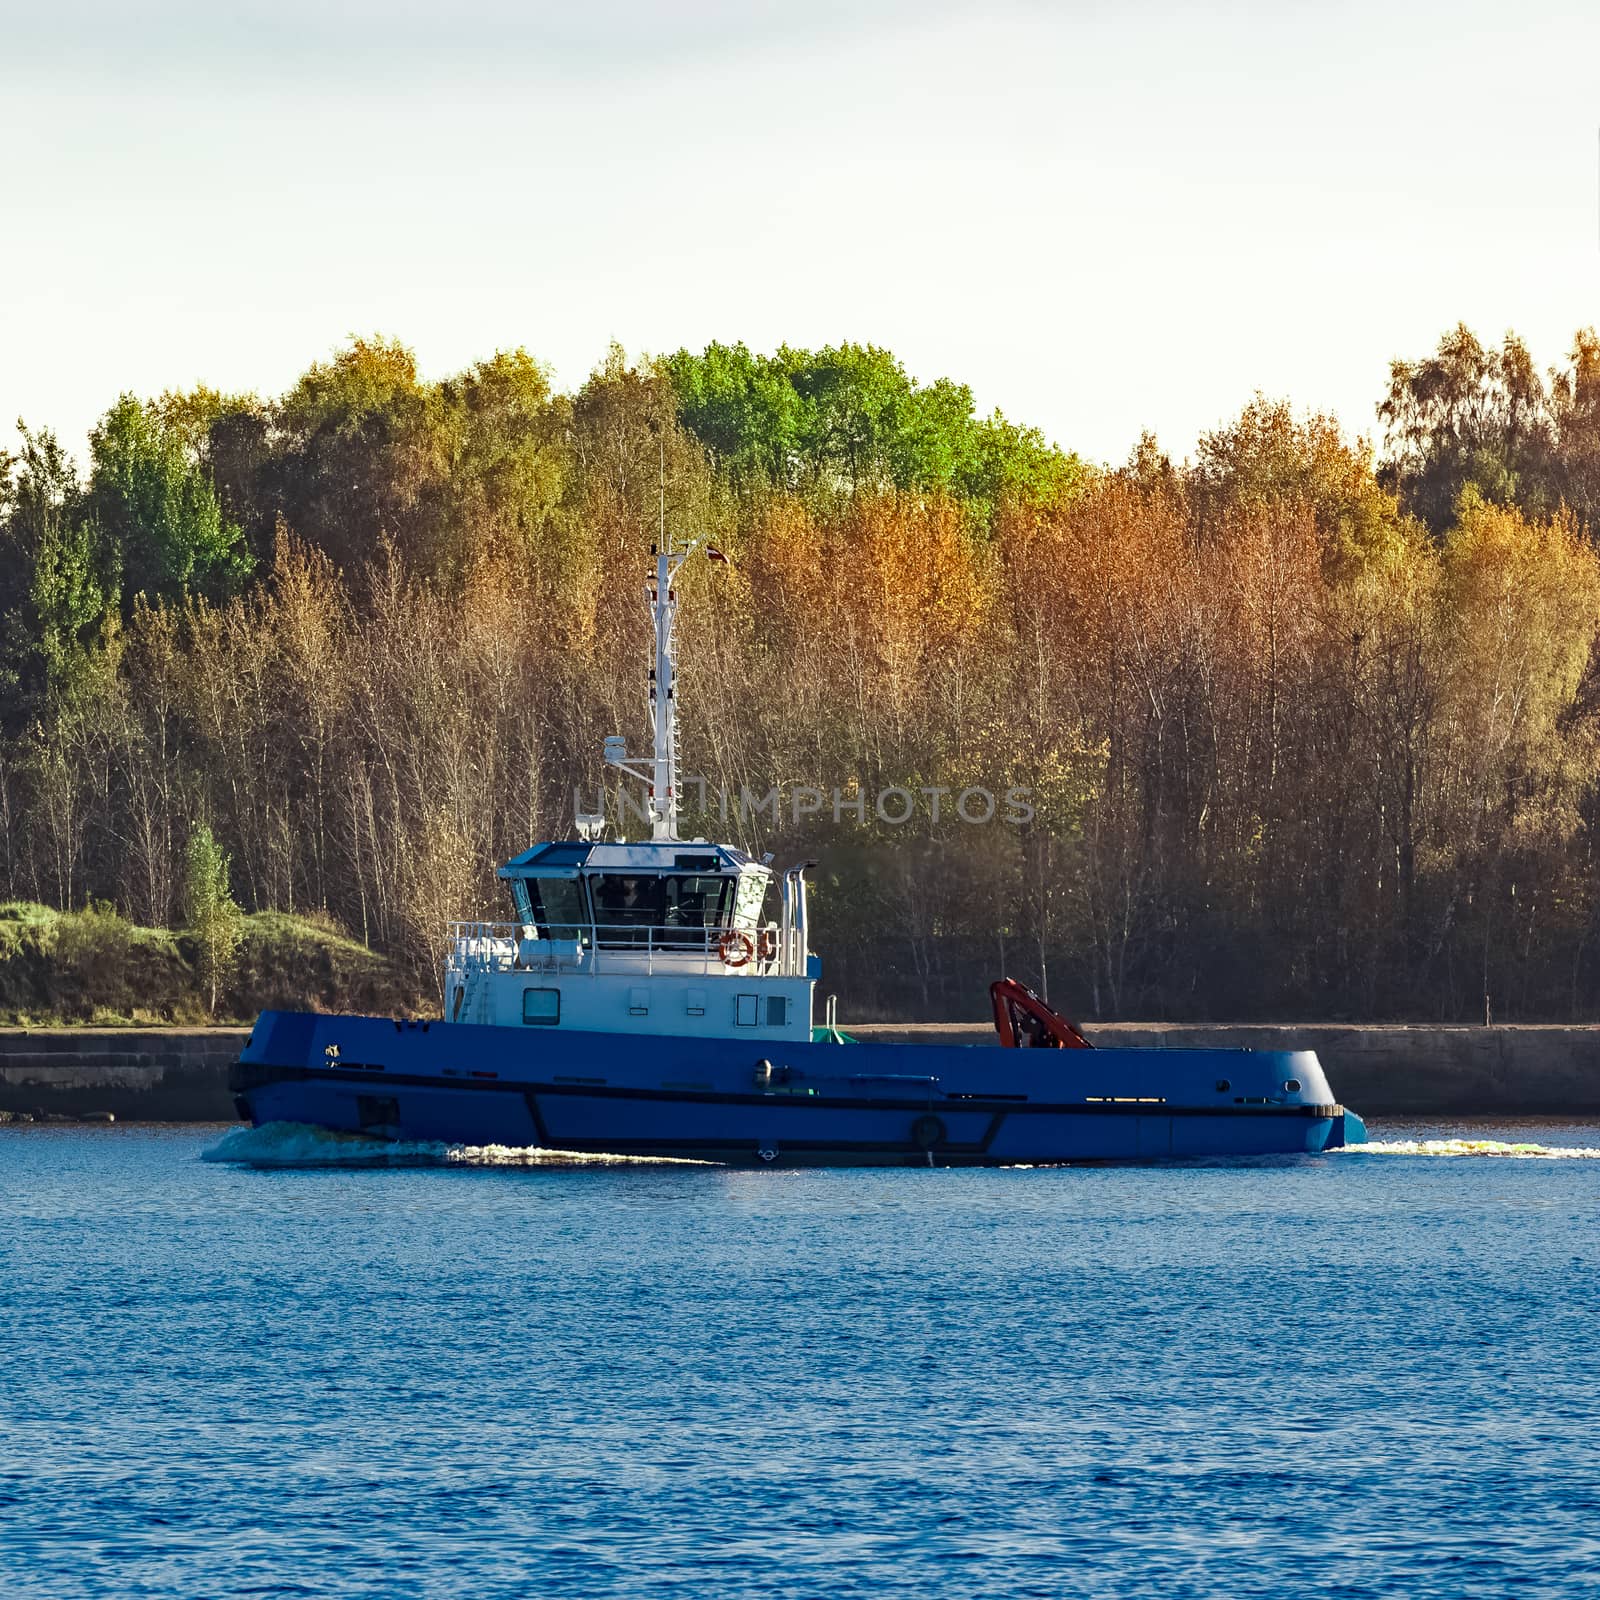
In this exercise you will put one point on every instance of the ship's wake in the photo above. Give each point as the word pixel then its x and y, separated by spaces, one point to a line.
pixel 1476 1147
pixel 295 1144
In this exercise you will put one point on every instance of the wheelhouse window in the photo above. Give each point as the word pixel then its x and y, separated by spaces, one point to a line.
pixel 541 1007
pixel 557 907
pixel 625 901
pixel 693 904
pixel 682 905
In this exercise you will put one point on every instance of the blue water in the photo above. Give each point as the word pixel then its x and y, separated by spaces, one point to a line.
pixel 1371 1373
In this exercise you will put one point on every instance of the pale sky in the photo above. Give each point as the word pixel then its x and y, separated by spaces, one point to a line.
pixel 1102 217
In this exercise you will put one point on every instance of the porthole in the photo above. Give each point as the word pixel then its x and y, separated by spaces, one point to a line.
pixel 542 1007
pixel 1223 1086
pixel 1291 1086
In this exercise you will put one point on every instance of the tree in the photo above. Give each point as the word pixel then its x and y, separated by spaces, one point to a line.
pixel 227 436
pixel 849 418
pixel 1468 416
pixel 159 525
pixel 370 457
pixel 1575 410
pixel 215 920
pixel 1289 750
pixel 831 418
pixel 1010 463
pixel 52 592
pixel 744 411
pixel 1268 460
pixel 358 450
pixel 503 461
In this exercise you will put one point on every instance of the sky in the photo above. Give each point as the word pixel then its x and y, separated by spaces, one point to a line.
pixel 1102 217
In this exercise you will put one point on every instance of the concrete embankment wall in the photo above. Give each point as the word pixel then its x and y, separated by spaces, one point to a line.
pixel 1378 1069
pixel 132 1074
pixel 164 1074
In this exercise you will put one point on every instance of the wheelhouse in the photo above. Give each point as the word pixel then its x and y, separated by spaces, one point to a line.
pixel 610 896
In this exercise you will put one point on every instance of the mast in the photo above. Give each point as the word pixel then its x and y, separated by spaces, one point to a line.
pixel 661 776
pixel 663 703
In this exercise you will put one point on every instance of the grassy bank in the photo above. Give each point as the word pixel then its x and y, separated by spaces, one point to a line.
pixel 94 967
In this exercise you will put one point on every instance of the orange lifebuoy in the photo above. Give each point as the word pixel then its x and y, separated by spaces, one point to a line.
pixel 769 944
pixel 736 947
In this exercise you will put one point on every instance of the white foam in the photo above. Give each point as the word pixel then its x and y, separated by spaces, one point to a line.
pixel 505 1155
pixel 1475 1147
pixel 297 1144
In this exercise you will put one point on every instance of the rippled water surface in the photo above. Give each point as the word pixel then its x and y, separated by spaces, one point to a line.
pixel 1373 1373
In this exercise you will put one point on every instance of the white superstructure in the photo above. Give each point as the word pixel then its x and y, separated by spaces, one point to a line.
pixel 659 936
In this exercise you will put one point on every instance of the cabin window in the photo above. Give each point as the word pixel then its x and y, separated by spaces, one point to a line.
pixel 542 1007
pixel 558 907
pixel 777 1010
pixel 695 904
pixel 624 901
pixel 681 904
pixel 746 1010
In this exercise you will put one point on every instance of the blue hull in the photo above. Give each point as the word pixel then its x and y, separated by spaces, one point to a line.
pixel 810 1104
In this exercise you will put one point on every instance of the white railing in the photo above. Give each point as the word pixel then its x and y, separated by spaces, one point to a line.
pixel 594 947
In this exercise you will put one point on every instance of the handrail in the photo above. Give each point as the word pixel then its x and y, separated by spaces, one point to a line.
pixel 617 946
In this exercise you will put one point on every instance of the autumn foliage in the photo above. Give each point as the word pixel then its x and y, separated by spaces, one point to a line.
pixel 1305 734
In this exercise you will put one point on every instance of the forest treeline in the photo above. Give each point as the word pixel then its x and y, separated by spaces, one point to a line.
pixel 1310 726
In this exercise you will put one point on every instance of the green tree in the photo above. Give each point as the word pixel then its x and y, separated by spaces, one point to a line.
pixel 857 402
pixel 849 418
pixel 53 593
pixel 158 521
pixel 744 411
pixel 228 436
pixel 1008 462
pixel 215 920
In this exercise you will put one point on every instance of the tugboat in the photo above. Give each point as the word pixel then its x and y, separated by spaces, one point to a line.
pixel 643 1004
